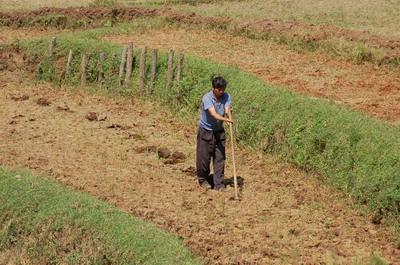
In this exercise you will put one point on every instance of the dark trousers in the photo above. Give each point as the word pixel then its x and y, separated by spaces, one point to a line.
pixel 210 145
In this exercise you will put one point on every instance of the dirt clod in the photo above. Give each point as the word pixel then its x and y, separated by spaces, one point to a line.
pixel 294 232
pixel 179 156
pixel 20 98
pixel 175 158
pixel 119 126
pixel 43 102
pixel 171 161
pixel 336 232
pixel 190 171
pixel 63 107
pixel 146 149
pixel 164 152
pixel 91 116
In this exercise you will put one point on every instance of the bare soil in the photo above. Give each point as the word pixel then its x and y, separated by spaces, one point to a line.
pixel 370 89
pixel 285 216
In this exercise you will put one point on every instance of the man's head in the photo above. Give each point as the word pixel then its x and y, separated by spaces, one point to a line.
pixel 218 84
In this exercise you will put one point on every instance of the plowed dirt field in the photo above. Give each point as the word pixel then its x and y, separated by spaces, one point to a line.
pixel 107 147
pixel 284 217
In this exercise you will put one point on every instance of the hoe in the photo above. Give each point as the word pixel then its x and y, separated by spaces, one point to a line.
pixel 234 164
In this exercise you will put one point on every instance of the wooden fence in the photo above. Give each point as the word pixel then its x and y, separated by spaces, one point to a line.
pixel 126 66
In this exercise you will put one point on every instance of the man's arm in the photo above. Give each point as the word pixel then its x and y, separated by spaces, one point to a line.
pixel 216 116
pixel 228 112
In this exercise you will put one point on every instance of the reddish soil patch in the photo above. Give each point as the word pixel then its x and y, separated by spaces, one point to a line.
pixel 368 88
pixel 284 217
pixel 17 19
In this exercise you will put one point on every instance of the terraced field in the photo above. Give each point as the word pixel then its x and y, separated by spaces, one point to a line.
pixel 286 215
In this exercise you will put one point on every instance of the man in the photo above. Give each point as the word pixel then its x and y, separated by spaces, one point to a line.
pixel 215 109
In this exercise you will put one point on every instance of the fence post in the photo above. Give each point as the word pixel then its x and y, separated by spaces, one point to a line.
pixel 180 67
pixel 129 64
pixel 68 67
pixel 52 46
pixel 122 65
pixel 84 64
pixel 101 75
pixel 142 68
pixel 114 14
pixel 153 70
pixel 170 72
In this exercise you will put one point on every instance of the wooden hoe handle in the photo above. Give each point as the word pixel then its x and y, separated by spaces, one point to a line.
pixel 233 162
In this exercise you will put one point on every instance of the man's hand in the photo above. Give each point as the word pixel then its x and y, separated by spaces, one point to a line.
pixel 216 116
pixel 228 112
pixel 229 121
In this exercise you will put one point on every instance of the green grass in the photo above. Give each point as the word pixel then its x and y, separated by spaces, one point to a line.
pixel 356 154
pixel 42 222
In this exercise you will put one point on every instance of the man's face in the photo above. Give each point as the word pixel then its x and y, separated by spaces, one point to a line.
pixel 218 92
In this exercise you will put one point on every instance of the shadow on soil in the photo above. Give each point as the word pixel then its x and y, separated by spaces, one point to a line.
pixel 227 182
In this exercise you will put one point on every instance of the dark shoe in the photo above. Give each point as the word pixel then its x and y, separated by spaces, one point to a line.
pixel 205 185
pixel 222 189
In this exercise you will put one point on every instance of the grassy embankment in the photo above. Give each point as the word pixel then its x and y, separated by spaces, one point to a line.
pixel 357 154
pixel 44 223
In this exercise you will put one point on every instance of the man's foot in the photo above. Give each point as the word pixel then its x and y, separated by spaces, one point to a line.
pixel 222 189
pixel 205 185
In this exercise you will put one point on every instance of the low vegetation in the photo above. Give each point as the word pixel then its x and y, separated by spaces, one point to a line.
pixel 44 223
pixel 354 153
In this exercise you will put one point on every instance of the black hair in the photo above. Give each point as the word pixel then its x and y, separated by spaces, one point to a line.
pixel 219 82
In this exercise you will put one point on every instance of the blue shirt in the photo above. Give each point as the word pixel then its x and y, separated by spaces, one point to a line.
pixel 209 100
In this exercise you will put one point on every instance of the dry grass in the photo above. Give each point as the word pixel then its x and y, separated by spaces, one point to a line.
pixel 9 35
pixel 13 5
pixel 380 16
